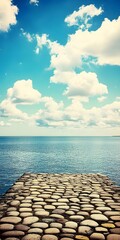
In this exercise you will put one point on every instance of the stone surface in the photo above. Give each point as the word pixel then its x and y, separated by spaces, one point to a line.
pixel 97 236
pixel 31 237
pixel 6 226
pixel 84 230
pixel 90 223
pixel 113 237
pixel 30 220
pixel 11 220
pixel 61 206
pixel 48 237
pixel 99 217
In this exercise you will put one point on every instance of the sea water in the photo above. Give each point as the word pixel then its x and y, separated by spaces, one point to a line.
pixel 19 155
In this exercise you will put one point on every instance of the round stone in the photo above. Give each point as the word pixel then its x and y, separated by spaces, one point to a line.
pixel 39 225
pixel 71 224
pixel 90 223
pixel 115 218
pixel 63 200
pixel 81 237
pixel 68 230
pixel 15 203
pixel 108 225
pixel 97 236
pixel 103 208
pixel 115 230
pixel 13 220
pixel 25 209
pixel 112 213
pixel 117 224
pixel 13 213
pixel 31 237
pixel 6 226
pixel 75 200
pixel 65 238
pixel 11 238
pixel 101 229
pixel 35 230
pixel 13 233
pixel 76 217
pixel 56 216
pixel 49 207
pixel 99 217
pixel 84 230
pixel 52 230
pixel 56 225
pixel 70 212
pixel 113 237
pixel 26 214
pixel 22 227
pixel 42 213
pixel 30 220
pixel 47 237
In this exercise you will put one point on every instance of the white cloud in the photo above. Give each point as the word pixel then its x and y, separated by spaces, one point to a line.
pixel 43 40
pixel 101 99
pixel 9 109
pixel 8 13
pixel 3 124
pixel 76 116
pixel 23 93
pixel 80 84
pixel 52 112
pixel 82 17
pixel 103 47
pixel 28 36
pixel 35 2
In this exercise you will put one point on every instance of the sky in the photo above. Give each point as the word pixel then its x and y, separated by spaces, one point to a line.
pixel 59 68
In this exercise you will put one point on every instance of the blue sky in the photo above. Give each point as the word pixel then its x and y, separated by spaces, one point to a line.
pixel 60 67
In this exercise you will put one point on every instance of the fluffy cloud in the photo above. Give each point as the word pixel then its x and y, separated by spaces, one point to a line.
pixel 82 17
pixel 102 98
pixel 80 84
pixel 103 46
pixel 75 115
pixel 3 124
pixel 9 109
pixel 35 2
pixel 52 114
pixel 23 93
pixel 8 13
pixel 28 36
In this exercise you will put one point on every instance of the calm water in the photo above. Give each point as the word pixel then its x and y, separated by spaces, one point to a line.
pixel 58 155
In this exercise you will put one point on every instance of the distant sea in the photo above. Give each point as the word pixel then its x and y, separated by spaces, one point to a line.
pixel 58 155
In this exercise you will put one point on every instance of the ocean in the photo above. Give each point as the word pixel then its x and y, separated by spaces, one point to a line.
pixel 58 155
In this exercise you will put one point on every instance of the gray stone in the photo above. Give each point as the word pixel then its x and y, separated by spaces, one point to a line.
pixel 52 230
pixel 6 226
pixel 35 230
pixel 13 220
pixel 99 217
pixel 90 223
pixel 13 233
pixel 32 237
pixel 40 225
pixel 47 237
pixel 30 220
pixel 71 224
pixel 84 230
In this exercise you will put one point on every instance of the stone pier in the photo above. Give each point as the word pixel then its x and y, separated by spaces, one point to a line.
pixel 61 207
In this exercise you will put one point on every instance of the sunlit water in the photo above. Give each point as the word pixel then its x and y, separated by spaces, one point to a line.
pixel 58 155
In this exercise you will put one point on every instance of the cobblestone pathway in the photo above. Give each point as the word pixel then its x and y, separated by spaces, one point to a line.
pixel 61 207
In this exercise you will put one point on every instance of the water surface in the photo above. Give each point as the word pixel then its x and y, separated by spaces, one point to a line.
pixel 58 155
